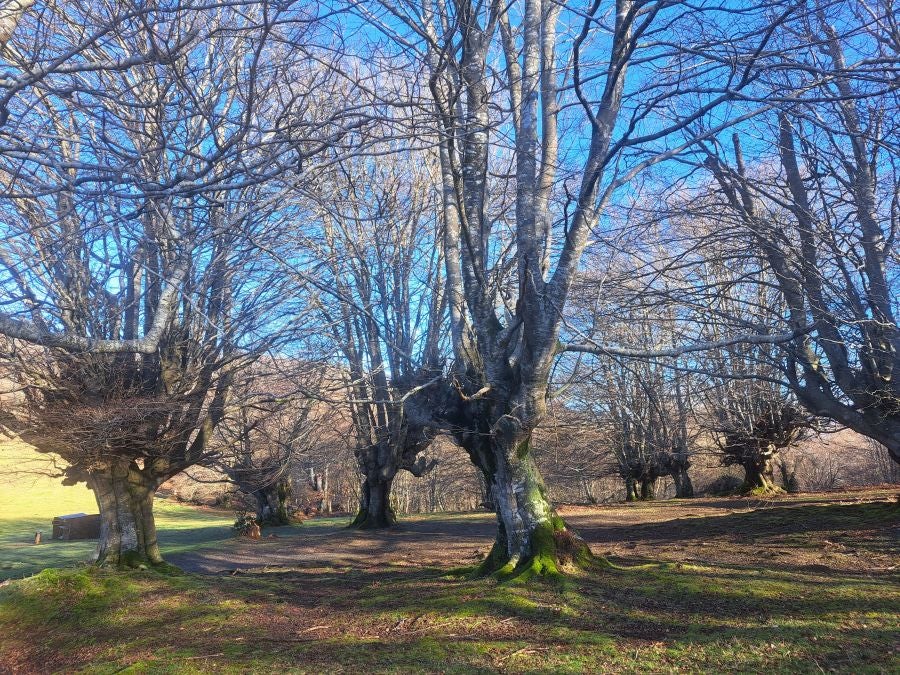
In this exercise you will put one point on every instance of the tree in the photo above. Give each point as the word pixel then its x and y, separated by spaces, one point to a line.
pixel 825 218
pixel 382 299
pixel 273 422
pixel 753 423
pixel 140 206
pixel 518 216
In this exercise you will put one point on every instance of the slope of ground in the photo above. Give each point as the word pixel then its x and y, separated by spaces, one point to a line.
pixel 805 584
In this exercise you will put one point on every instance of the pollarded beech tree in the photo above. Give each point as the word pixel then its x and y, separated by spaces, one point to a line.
pixel 274 421
pixel 381 295
pixel 541 112
pixel 753 422
pixel 814 185
pixel 130 265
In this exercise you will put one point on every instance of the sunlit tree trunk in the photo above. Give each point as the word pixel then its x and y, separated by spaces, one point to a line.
pixel 759 472
pixel 127 527
pixel 531 538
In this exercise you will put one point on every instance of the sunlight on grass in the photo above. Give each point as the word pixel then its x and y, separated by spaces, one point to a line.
pixel 31 496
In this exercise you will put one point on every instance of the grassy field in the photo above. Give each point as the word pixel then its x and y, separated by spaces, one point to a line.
pixel 791 587
pixel 30 498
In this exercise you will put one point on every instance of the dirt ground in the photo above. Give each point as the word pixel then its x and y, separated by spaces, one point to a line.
pixel 802 533
pixel 800 584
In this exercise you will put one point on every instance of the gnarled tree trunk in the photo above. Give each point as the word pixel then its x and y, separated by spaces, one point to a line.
pixel 127 527
pixel 375 510
pixel 759 473
pixel 271 503
pixel 648 489
pixel 531 538
pixel 631 493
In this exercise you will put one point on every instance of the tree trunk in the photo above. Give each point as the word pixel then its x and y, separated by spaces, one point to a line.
pixel 375 510
pixel 648 489
pixel 631 493
pixel 678 465
pixel 531 538
pixel 127 528
pixel 759 474
pixel 272 503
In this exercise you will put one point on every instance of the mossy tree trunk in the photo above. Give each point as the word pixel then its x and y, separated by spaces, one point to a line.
pixel 127 528
pixel 648 489
pixel 375 510
pixel 532 540
pixel 272 503
pixel 631 493
pixel 759 472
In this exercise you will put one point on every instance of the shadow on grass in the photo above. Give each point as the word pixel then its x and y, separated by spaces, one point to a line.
pixel 320 616
pixel 661 617
pixel 761 523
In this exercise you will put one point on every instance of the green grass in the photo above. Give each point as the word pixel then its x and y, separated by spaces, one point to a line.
pixel 30 498
pixel 662 618
pixel 755 615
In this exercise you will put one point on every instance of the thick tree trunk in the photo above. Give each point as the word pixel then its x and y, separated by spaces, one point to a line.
pixel 759 474
pixel 375 510
pixel 127 528
pixel 684 487
pixel 648 489
pixel 531 538
pixel 272 503
pixel 631 493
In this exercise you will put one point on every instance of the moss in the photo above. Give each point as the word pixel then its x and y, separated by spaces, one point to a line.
pixel 553 546
pixel 762 490
pixel 133 560
pixel 168 569
pixel 361 516
pixel 523 448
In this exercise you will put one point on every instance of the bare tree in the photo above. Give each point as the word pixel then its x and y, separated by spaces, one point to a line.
pixel 137 208
pixel 274 421
pixel 519 214
pixel 381 297
pixel 825 218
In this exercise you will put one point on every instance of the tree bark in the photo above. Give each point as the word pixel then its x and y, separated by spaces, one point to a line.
pixel 532 540
pixel 648 489
pixel 271 503
pixel 375 510
pixel 684 487
pixel 759 474
pixel 631 493
pixel 127 527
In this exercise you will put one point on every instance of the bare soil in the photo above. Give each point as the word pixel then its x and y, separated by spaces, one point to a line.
pixel 802 533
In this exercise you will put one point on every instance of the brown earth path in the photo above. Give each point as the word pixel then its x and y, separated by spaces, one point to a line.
pixel 805 533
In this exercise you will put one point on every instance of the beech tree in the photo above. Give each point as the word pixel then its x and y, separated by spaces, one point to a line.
pixel 382 299
pixel 814 185
pixel 134 224
pixel 274 421
pixel 512 89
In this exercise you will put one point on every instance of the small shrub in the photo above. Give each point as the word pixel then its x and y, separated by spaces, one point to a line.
pixel 245 521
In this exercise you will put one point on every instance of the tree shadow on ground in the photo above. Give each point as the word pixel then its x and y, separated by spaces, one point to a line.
pixel 415 618
pixel 337 612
